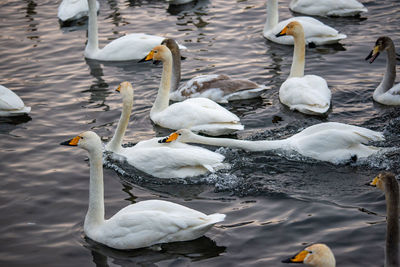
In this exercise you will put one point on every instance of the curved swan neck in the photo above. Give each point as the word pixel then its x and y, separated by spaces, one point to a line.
pixel 392 230
pixel 272 15
pixel 93 40
pixel 297 69
pixel 176 70
pixel 242 144
pixel 116 141
pixel 95 213
pixel 390 73
pixel 162 99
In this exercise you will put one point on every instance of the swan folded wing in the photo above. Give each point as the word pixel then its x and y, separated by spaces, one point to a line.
pixel 309 92
pixel 131 46
pixel 194 111
pixel 328 7
pixel 9 100
pixel 145 228
pixel 336 145
pixel 390 97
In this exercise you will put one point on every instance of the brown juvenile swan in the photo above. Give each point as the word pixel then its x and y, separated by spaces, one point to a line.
pixel 387 182
pixel 218 87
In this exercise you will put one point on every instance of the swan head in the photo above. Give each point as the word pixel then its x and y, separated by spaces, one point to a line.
pixel 171 44
pixel 317 255
pixel 182 135
pixel 385 181
pixel 89 141
pixel 294 28
pixel 158 53
pixel 126 91
pixel 381 44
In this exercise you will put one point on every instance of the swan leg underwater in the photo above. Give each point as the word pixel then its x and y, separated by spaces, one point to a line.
pixel 160 160
pixel 199 114
pixel 137 225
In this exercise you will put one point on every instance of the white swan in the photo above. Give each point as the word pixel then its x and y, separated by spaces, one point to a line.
pixel 335 8
pixel 141 224
pixel 11 104
pixel 160 160
pixel 307 94
pixel 198 114
pixel 217 87
pixel 316 255
pixel 74 9
pixel 329 141
pixel 315 31
pixel 386 93
pixel 128 47
pixel 387 182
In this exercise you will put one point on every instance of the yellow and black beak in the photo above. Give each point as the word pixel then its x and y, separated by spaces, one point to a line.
pixel 374 182
pixel 373 54
pixel 148 57
pixel 72 142
pixel 298 258
pixel 169 139
pixel 118 89
pixel 282 32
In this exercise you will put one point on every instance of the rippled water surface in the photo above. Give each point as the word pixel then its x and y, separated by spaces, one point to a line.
pixel 275 203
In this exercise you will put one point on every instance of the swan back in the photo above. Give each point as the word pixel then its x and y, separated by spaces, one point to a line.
pixel 316 255
pixel 11 104
pixel 342 8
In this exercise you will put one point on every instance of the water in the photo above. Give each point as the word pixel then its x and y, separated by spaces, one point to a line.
pixel 275 204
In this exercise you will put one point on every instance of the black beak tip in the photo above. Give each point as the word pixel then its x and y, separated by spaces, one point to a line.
pixel 142 60
pixel 286 260
pixel 279 35
pixel 65 143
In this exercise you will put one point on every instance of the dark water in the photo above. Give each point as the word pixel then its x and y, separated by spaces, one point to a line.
pixel 275 204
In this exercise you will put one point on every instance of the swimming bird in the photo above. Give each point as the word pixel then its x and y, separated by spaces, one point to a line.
pixel 316 255
pixel 218 87
pixel 128 47
pixel 335 8
pixel 387 182
pixel 175 160
pixel 141 224
pixel 70 10
pixel 315 31
pixel 329 141
pixel 198 114
pixel 11 104
pixel 386 93
pixel 307 94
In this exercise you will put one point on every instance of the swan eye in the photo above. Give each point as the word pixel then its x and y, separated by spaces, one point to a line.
pixel 155 51
pixel 179 134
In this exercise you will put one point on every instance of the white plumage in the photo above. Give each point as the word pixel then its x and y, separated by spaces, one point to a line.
pixel 141 224
pixel 74 9
pixel 338 8
pixel 11 104
pixel 330 141
pixel 198 114
pixel 175 160
pixel 315 31
pixel 128 47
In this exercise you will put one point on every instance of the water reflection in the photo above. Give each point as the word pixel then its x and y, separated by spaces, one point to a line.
pixel 8 124
pixel 32 26
pixel 191 251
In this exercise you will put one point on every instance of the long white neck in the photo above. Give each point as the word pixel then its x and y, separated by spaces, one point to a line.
pixel 392 229
pixel 272 15
pixel 162 99
pixel 242 144
pixel 92 45
pixel 297 69
pixel 390 73
pixel 95 213
pixel 115 144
